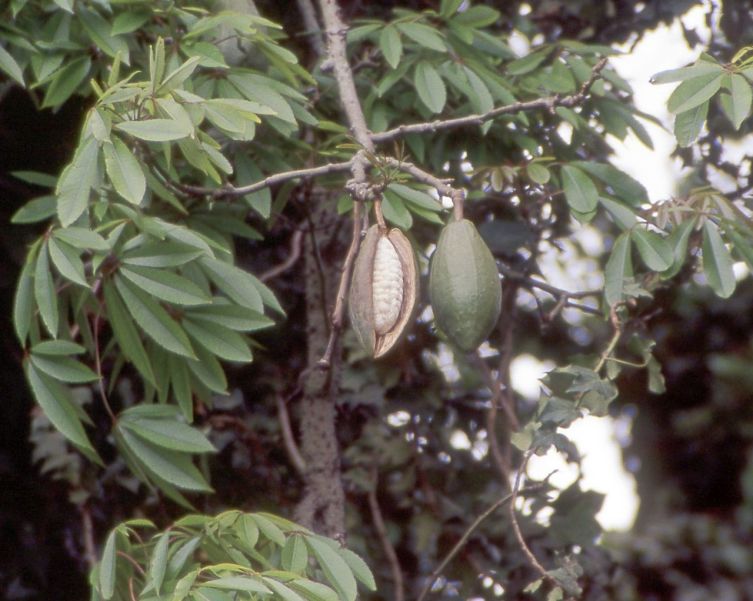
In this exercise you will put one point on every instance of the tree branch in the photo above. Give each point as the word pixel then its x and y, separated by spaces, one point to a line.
pixel 288 440
pixel 442 186
pixel 296 241
pixel 516 527
pixel 338 313
pixel 389 550
pixel 336 33
pixel 464 539
pixel 228 190
pixel 313 30
pixel 548 103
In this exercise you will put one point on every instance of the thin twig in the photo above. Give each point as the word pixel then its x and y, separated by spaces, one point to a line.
pixel 98 368
pixel 464 539
pixel 288 440
pixel 389 550
pixel 614 319
pixel 338 313
pixel 553 290
pixel 268 182
pixel 516 527
pixel 495 387
pixel 131 591
pixel 294 254
pixel 313 30
pixel 90 552
pixel 549 103
pixel 132 561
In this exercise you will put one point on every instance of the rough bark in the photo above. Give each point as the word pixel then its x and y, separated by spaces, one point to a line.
pixel 322 507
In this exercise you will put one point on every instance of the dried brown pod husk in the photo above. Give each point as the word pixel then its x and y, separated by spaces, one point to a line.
pixel 361 298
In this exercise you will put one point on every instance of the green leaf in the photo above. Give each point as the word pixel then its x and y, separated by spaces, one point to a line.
pixel 208 371
pixel 430 87
pixel 66 81
pixel 269 530
pixel 10 67
pixel 45 293
pixel 447 8
pixel 76 181
pixel 528 63
pixel 247 584
pixel 742 245
pixel 57 348
pixel 395 211
pixel 580 191
pixel 655 251
pixel 80 237
pixel 130 21
pixel 23 301
pixel 64 369
pixel 44 180
pixel 99 32
pixel 479 15
pixel 390 45
pixel 678 240
pixel 158 562
pixel 155 130
pixel 173 467
pixel 416 197
pixel 235 317
pixel 126 334
pixel 154 320
pixel 717 262
pixel 334 567
pixel 161 254
pixel 623 186
pixel 694 92
pixel 688 124
pixel 313 591
pixel 234 282
pixel 359 568
pixel 219 341
pixel 67 261
pixel 124 171
pixel 282 591
pixel 294 556
pixel 737 103
pixel 701 68
pixel 55 401
pixel 108 567
pixel 169 434
pixel 248 173
pixel 538 173
pixel 180 74
pixel 165 285
pixel 622 216
pixel 423 35
pixel 180 382
pixel 618 269
pixel 36 210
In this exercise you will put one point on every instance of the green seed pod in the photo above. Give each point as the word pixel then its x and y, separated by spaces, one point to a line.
pixel 464 286
pixel 383 289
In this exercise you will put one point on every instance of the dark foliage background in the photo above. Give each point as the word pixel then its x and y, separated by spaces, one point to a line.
pixel 691 446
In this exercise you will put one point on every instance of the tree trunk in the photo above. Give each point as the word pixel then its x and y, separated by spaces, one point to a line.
pixel 322 507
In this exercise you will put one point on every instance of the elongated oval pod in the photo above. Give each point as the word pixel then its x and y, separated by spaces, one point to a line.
pixel 464 286
pixel 383 289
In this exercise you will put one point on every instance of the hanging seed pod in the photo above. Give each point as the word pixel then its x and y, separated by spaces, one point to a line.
pixel 464 285
pixel 383 290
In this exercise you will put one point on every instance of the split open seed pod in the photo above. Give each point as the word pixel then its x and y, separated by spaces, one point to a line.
pixel 383 290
